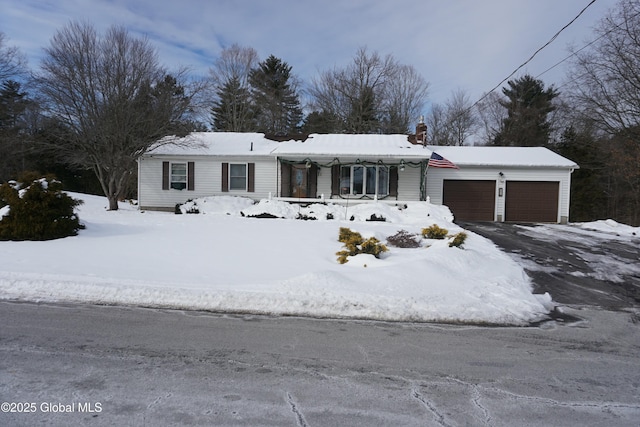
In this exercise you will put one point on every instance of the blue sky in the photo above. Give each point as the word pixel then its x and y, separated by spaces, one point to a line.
pixel 455 44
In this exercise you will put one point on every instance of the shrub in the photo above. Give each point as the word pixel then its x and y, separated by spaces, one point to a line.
pixel 403 239
pixel 375 217
pixel 458 240
pixel 305 217
pixel 355 244
pixel 40 211
pixel 188 207
pixel 434 232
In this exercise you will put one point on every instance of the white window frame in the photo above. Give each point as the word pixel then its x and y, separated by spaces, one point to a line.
pixel 178 181
pixel 245 176
pixel 366 172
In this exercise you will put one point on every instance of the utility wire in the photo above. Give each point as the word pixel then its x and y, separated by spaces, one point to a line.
pixel 535 53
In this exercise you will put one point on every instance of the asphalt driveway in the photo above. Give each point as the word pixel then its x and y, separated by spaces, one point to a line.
pixel 575 266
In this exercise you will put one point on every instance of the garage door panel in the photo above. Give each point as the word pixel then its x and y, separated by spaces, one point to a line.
pixel 532 201
pixel 470 200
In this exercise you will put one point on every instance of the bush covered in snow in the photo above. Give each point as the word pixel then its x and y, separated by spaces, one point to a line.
pixel 355 244
pixel 39 211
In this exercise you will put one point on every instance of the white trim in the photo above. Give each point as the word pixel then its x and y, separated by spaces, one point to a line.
pixel 186 175
pixel 246 177
pixel 364 193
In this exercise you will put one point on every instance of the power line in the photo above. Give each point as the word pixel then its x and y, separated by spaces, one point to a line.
pixel 535 53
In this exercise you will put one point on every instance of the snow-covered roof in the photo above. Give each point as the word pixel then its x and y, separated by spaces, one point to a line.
pixel 316 145
pixel 217 144
pixel 503 156
pixel 333 145
pixel 364 146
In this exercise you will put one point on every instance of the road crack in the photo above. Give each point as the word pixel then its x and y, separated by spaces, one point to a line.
pixel 440 419
pixel 294 408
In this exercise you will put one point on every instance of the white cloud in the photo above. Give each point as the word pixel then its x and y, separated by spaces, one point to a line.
pixel 457 44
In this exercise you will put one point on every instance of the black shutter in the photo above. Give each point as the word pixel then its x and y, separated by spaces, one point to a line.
pixel 165 175
pixel 335 180
pixel 285 179
pixel 191 176
pixel 393 181
pixel 313 181
pixel 251 177
pixel 225 177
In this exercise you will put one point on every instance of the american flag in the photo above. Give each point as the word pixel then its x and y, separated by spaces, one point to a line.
pixel 437 161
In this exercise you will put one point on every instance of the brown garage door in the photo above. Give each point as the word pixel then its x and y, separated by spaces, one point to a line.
pixel 470 200
pixel 528 201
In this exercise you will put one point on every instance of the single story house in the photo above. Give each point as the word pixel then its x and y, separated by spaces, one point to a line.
pixel 524 184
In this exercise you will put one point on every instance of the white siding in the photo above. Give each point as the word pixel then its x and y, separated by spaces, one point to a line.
pixel 207 180
pixel 324 182
pixel 436 176
pixel 409 184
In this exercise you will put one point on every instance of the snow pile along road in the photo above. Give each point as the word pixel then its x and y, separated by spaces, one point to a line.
pixel 225 260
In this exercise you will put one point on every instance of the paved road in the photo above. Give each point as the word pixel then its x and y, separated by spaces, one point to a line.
pixel 595 269
pixel 129 366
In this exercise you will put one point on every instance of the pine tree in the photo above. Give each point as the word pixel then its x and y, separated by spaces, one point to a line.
pixel 528 105
pixel 321 122
pixel 13 104
pixel 277 102
pixel 233 110
pixel 588 191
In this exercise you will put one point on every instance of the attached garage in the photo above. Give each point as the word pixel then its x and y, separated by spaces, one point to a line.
pixel 517 184
pixel 531 201
pixel 470 200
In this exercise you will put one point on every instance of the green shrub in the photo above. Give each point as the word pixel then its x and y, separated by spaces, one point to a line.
pixel 355 244
pixel 434 232
pixel 458 240
pixel 40 211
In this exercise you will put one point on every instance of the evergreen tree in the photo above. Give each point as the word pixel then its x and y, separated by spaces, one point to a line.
pixel 274 92
pixel 321 122
pixel 588 191
pixel 363 116
pixel 528 105
pixel 39 211
pixel 13 137
pixel 233 110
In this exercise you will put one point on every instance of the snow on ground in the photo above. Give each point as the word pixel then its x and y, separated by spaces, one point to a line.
pixel 224 260
pixel 610 226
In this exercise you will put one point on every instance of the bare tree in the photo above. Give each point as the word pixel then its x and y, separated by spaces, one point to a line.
pixel 604 87
pixel 234 62
pixel 461 118
pixel 112 100
pixel 373 94
pixel 491 114
pixel 13 63
pixel 605 79
pixel 436 122
pixel 404 99
pixel 232 109
pixel 453 122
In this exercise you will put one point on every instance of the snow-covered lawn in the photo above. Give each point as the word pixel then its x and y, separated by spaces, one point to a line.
pixel 221 261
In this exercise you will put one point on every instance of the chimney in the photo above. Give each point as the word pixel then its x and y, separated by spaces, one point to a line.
pixel 421 132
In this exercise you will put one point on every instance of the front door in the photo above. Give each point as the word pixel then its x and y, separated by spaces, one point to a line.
pixel 299 181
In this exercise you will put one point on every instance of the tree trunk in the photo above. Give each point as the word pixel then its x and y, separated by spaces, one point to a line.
pixel 113 202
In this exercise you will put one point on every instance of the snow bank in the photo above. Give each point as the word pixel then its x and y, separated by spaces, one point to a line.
pixel 221 261
pixel 610 226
